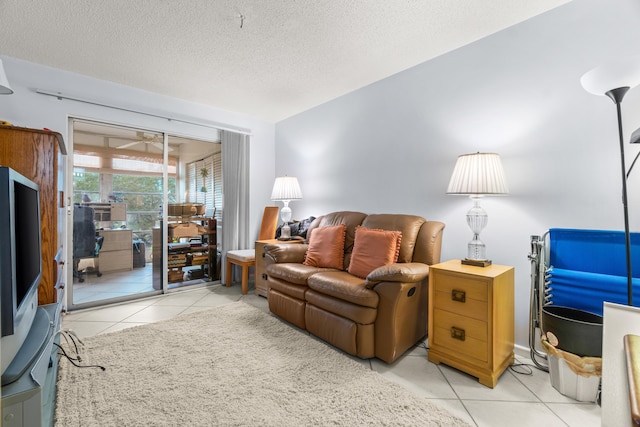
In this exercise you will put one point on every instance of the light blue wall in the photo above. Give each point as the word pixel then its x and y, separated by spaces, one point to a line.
pixel 391 146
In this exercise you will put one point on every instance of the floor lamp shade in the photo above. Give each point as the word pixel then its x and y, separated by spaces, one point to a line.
pixel 477 175
pixel 285 189
pixel 622 72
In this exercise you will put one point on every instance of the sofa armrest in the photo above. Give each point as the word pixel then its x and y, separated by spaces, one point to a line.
pixel 407 272
pixel 281 253
pixel 402 317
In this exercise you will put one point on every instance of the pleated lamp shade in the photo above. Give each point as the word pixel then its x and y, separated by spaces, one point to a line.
pixel 478 173
pixel 286 188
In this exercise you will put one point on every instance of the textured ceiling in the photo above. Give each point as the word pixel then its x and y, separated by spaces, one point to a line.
pixel 267 58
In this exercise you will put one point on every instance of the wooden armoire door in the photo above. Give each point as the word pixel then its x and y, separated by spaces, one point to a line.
pixel 34 154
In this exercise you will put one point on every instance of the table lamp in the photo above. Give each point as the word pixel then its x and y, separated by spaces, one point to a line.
pixel 477 175
pixel 285 189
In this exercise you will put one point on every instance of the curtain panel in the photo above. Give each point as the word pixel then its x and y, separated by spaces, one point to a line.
pixel 235 178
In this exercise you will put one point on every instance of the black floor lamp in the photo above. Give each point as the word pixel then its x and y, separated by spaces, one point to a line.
pixel 615 80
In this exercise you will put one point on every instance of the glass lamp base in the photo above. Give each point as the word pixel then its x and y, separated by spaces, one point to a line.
pixel 285 232
pixel 476 249
pixel 476 253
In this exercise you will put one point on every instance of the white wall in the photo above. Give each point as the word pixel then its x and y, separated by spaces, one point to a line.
pixel 391 146
pixel 27 108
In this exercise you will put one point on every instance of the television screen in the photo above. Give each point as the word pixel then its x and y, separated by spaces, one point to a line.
pixel 27 239
pixel 20 268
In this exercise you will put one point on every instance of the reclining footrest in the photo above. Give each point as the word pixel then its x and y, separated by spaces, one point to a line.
pixel 287 308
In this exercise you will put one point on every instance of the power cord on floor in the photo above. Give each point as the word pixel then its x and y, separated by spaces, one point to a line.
pixel 526 368
pixel 69 335
pixel 73 360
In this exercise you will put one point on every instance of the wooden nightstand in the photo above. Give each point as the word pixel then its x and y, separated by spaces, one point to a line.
pixel 262 286
pixel 471 318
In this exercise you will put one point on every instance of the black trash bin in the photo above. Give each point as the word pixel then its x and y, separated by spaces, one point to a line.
pixel 569 333
pixel 139 259
pixel 574 331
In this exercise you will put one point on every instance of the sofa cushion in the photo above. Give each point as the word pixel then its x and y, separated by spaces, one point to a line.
pixel 326 247
pixel 343 286
pixel 348 218
pixel 294 272
pixel 373 249
pixel 408 225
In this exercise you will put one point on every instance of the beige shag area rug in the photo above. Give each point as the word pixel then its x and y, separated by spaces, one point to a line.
pixel 231 366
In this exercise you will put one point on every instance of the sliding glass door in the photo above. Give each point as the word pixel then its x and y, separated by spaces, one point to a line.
pixel 118 205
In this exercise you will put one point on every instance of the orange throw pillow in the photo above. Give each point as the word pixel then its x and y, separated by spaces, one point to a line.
pixel 373 249
pixel 326 247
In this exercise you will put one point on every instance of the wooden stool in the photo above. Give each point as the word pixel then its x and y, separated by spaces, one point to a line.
pixel 245 258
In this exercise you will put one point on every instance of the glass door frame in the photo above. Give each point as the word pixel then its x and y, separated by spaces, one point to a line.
pixel 69 175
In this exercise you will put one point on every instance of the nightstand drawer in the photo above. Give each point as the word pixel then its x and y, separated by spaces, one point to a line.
pixel 474 288
pixel 262 285
pixel 469 307
pixel 464 336
pixel 474 328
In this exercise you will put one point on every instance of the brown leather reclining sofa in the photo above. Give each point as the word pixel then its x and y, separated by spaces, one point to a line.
pixel 382 315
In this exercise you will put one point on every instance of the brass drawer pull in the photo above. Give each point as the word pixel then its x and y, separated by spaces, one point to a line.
pixel 458 296
pixel 264 255
pixel 457 333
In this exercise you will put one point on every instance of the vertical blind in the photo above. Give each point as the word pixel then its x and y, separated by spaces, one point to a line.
pixel 204 183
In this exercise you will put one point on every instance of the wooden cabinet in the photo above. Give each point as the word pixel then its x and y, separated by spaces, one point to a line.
pixel 262 284
pixel 36 154
pixel 471 323
pixel 116 253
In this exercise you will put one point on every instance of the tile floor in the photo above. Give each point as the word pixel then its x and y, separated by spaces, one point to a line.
pixel 518 399
pixel 119 284
pixel 112 285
